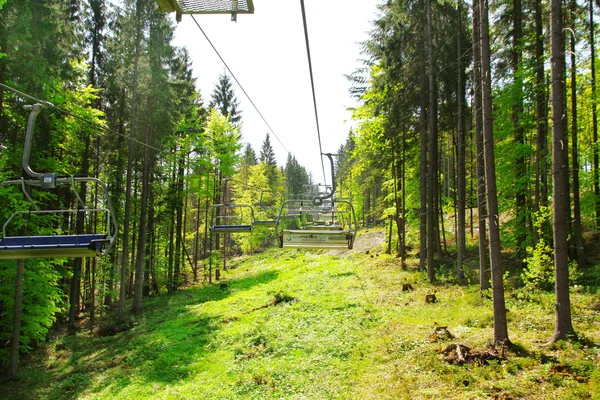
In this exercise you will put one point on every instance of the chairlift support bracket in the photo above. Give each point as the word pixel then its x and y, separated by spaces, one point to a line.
pixel 232 7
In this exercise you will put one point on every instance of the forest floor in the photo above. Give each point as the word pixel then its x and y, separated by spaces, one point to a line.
pixel 296 324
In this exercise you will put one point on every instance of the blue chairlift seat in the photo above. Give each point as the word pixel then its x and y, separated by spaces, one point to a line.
pixel 231 228
pixel 55 246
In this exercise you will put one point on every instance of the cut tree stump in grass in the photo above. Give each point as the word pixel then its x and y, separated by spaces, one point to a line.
pixel 459 354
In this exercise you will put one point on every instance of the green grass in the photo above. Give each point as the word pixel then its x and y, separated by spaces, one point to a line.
pixel 319 325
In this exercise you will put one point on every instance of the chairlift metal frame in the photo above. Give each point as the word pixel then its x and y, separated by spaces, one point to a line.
pixel 263 207
pixel 217 226
pixel 312 233
pixel 55 246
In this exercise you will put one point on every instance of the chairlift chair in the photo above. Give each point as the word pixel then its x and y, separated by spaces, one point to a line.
pixel 59 245
pixel 266 216
pixel 234 218
pixel 336 232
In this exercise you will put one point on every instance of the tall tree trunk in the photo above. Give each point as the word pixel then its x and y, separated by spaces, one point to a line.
pixel 461 181
pixel 171 264
pixel 423 175
pixel 132 133
pixel 141 250
pixel 13 366
pixel 180 227
pixel 519 132
pixel 541 190
pixel 76 279
pixel 594 117
pixel 484 275
pixel 500 324
pixel 197 239
pixel 560 173
pixel 148 278
pixel 432 177
pixel 577 228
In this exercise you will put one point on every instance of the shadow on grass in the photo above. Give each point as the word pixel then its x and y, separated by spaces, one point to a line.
pixel 170 341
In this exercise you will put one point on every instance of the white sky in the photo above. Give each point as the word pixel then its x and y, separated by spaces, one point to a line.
pixel 266 51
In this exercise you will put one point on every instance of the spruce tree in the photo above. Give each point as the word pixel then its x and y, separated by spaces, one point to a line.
pixel 224 100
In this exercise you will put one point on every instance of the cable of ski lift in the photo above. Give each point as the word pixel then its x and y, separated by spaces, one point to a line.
pixel 312 84
pixel 238 82
pixel 70 114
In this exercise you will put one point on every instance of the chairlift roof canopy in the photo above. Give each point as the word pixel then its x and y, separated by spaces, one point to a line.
pixel 206 6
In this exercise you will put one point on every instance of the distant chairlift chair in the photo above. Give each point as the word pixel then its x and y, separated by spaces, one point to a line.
pixel 310 226
pixel 266 213
pixel 319 222
pixel 61 245
pixel 232 218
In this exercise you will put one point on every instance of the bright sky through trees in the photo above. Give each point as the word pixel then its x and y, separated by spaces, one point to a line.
pixel 267 53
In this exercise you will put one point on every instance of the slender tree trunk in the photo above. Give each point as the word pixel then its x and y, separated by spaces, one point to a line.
pixel 484 272
pixel 461 181
pixel 500 324
pixel 141 251
pixel 432 177
pixel 171 265
pixel 76 279
pixel 519 132
pixel 402 221
pixel 577 228
pixel 13 366
pixel 594 117
pixel 179 229
pixel 560 173
pixel 541 190
pixel 148 276
pixel 127 216
pixel 197 240
pixel 423 179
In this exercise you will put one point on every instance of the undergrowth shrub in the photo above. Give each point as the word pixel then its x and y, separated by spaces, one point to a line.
pixel 43 299
pixel 539 273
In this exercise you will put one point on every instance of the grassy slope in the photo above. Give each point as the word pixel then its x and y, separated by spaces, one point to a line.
pixel 349 333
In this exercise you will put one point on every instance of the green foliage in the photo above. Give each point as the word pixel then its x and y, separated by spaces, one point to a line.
pixel 539 273
pixel 43 299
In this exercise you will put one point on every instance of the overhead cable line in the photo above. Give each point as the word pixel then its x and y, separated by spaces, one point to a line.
pixel 312 84
pixel 238 82
pixel 87 121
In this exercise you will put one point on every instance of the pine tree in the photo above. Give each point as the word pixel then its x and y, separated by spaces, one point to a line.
pixel 224 100
pixel 267 156
pixel 249 157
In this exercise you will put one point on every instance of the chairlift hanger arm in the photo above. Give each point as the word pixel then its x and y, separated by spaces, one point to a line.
pixel 232 7
pixel 329 195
